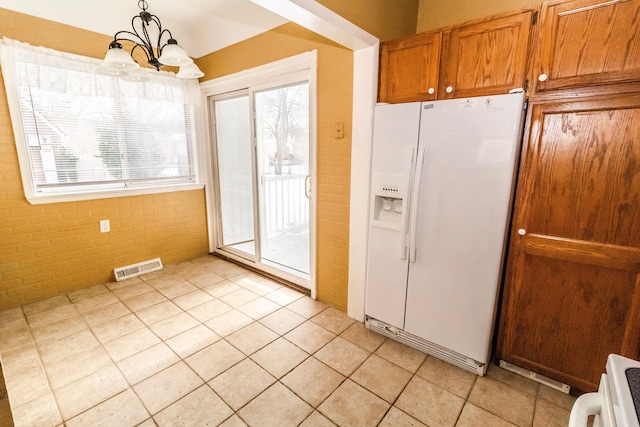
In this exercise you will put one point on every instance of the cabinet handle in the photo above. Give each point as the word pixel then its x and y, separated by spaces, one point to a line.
pixel 522 231
pixel 542 77
pixel 431 91
pixel 595 6
pixel 449 89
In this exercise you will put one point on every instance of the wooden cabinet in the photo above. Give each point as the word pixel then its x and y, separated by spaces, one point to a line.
pixel 409 68
pixel 588 43
pixel 486 57
pixel 572 288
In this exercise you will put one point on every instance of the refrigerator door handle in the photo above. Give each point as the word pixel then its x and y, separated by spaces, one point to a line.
pixel 403 230
pixel 403 241
pixel 415 191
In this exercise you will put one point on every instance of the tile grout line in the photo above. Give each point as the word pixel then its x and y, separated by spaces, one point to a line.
pixel 278 380
pixel 254 320
pixel 41 361
pixel 102 346
pixel 222 338
pixel 180 358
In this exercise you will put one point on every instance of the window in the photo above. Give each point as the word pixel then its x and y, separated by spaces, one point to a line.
pixel 82 135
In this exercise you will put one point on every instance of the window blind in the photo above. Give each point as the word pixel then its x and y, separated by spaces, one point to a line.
pixel 84 132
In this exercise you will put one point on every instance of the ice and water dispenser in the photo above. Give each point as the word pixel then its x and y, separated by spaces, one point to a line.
pixel 389 201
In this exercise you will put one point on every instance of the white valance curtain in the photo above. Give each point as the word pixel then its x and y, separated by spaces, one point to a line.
pixel 79 130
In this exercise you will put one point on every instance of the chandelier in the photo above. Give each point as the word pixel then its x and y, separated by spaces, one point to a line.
pixel 157 44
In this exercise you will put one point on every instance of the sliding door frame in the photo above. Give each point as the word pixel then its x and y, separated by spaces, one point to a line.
pixel 215 188
pixel 302 67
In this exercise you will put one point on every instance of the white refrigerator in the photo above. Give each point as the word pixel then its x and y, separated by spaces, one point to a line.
pixel 442 182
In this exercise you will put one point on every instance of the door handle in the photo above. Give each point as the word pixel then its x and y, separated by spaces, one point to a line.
pixel 414 205
pixel 307 186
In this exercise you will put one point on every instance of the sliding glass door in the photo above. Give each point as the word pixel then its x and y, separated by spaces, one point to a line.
pixel 235 174
pixel 263 165
pixel 282 136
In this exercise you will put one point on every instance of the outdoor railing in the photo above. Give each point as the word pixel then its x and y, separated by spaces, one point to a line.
pixel 286 206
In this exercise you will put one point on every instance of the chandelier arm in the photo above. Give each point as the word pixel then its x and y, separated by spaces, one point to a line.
pixel 151 55
pixel 146 42
pixel 135 46
pixel 137 40
pixel 160 38
pixel 137 43
pixel 161 31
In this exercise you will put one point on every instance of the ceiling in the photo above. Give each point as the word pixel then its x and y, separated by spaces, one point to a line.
pixel 199 26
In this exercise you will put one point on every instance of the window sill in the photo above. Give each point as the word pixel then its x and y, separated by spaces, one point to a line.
pixel 108 194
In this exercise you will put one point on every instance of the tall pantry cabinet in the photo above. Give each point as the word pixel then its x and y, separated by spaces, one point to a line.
pixel 572 288
pixel 571 292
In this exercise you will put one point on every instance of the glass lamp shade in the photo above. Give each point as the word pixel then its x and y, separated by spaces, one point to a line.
pixel 189 71
pixel 117 62
pixel 174 55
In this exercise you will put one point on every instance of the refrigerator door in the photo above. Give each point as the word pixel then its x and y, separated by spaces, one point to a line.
pixel 471 146
pixel 394 147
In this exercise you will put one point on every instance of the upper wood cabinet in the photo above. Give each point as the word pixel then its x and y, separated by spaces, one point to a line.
pixel 486 57
pixel 588 43
pixel 483 57
pixel 409 68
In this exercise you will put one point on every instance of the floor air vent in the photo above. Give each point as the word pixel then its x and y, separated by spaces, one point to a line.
pixel 129 271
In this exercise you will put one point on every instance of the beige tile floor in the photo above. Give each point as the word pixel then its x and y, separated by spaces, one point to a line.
pixel 206 342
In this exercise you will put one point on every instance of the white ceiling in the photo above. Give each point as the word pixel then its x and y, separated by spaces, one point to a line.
pixel 199 26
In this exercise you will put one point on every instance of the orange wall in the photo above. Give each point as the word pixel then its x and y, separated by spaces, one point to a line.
pixel 52 248
pixel 385 19
pixel 434 14
pixel 335 75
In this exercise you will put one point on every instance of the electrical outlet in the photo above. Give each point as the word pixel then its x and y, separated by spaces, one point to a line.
pixel 105 226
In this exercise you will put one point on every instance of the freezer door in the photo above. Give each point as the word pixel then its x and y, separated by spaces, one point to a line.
pixel 394 145
pixel 464 201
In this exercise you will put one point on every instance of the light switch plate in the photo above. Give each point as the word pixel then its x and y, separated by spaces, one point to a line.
pixel 105 226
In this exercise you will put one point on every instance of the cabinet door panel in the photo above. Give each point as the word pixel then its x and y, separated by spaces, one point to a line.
pixel 486 58
pixel 572 289
pixel 570 318
pixel 409 68
pixel 589 42
pixel 588 177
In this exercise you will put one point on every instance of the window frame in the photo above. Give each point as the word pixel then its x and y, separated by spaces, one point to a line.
pixel 100 190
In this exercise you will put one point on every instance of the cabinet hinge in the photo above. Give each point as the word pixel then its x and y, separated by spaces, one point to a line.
pixel 526 85
pixel 534 19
